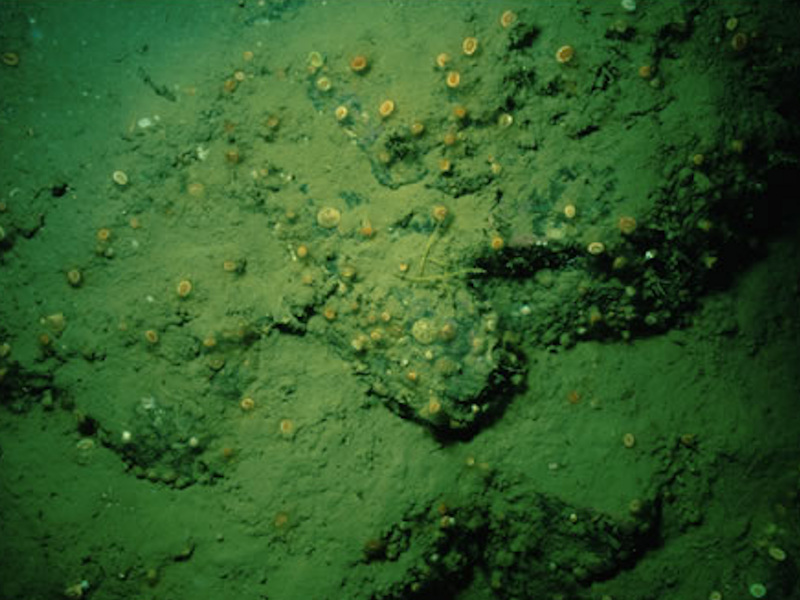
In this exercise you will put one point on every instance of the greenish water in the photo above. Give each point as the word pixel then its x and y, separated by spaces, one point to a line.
pixel 458 324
